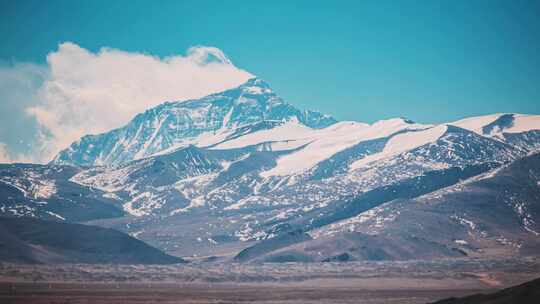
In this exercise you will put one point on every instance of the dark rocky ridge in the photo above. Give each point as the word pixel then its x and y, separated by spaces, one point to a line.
pixel 31 241
pixel 526 293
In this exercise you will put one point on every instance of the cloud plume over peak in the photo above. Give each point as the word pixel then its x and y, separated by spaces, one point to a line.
pixel 89 93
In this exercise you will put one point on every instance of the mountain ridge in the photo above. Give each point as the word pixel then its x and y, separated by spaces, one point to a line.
pixel 180 123
pixel 220 174
pixel 35 241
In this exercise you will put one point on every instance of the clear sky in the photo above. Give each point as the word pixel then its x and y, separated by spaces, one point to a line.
pixel 430 61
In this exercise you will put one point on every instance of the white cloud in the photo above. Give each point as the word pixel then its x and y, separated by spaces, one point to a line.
pixel 89 93
pixel 4 155
pixel 19 84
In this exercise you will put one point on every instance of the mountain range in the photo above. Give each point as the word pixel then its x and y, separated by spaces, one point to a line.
pixel 243 175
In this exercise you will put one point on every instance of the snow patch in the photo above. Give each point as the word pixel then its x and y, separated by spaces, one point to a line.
pixel 55 215
pixel 402 142
pixel 289 131
pixel 524 123
pixel 333 139
pixel 475 124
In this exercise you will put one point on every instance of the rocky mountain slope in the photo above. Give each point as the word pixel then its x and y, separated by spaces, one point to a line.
pixel 244 168
pixel 46 192
pixel 495 213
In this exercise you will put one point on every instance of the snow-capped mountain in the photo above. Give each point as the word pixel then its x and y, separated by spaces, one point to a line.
pixel 203 122
pixel 216 175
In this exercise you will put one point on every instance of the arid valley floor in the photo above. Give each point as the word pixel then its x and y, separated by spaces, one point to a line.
pixel 356 282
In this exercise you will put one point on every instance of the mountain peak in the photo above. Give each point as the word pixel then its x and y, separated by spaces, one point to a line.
pixel 178 124
pixel 394 122
pixel 256 81
pixel 255 86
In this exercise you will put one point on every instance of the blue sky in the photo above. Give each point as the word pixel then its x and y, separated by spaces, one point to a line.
pixel 430 61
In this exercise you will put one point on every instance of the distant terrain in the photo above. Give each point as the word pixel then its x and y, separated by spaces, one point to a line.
pixel 245 176
pixel 206 282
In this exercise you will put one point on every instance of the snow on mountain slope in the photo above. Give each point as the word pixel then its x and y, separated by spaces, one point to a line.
pixel 311 168
pixel 520 130
pixel 45 191
pixel 497 212
pixel 476 123
pixel 179 124
pixel 497 124
pixel 151 185
pixel 333 139
pixel 403 142
pixel 292 132
pixel 524 123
